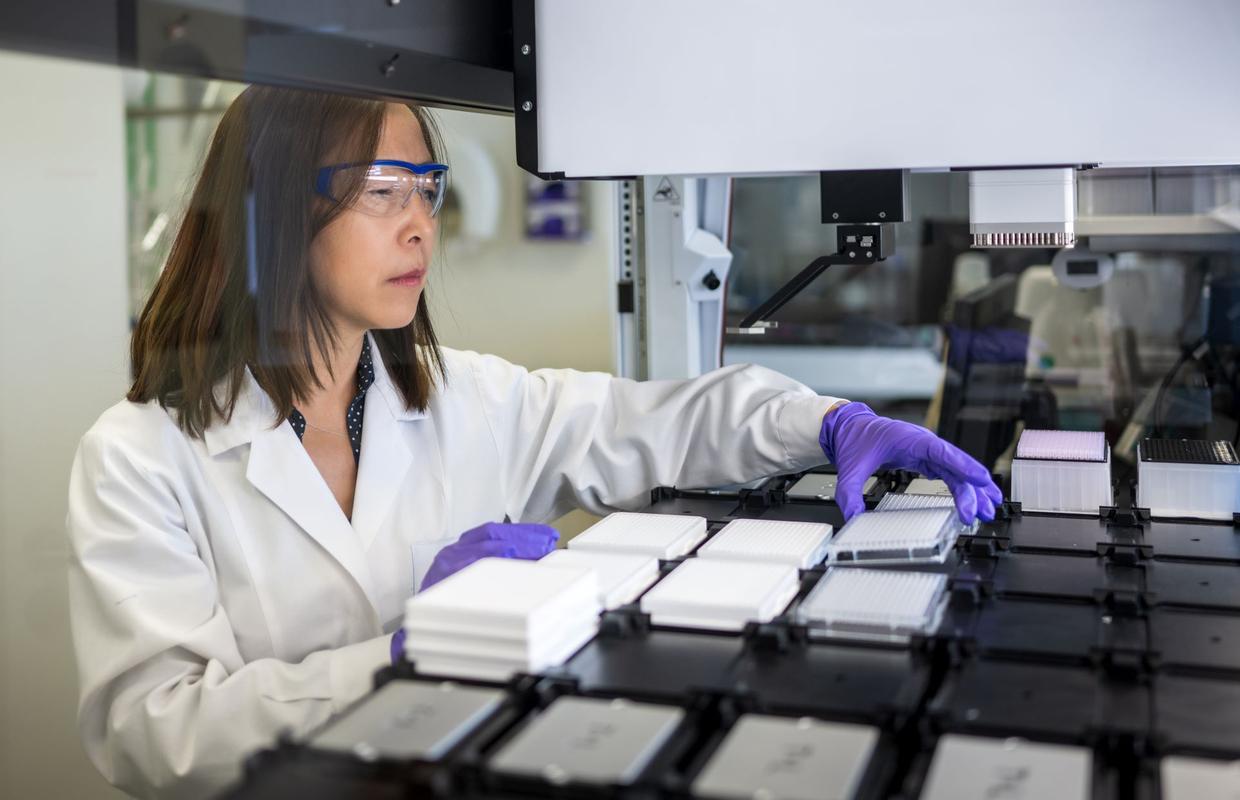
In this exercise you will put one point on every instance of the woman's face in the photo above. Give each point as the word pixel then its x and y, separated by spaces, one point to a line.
pixel 370 270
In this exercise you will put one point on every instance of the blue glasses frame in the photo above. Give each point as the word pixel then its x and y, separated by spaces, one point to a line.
pixel 323 182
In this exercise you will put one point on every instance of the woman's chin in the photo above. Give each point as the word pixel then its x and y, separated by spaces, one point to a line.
pixel 389 322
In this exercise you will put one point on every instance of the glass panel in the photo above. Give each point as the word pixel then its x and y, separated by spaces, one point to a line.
pixel 1133 332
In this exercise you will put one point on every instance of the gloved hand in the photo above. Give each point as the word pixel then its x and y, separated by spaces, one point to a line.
pixel 492 540
pixel 859 442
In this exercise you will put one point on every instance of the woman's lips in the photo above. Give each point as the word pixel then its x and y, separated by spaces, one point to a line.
pixel 411 278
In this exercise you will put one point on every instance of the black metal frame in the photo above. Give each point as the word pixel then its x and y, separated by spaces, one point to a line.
pixel 450 53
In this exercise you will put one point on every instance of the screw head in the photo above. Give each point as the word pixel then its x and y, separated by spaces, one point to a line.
pixel 869 253
pixel 852 253
pixel 525 48
pixel 835 215
pixel 882 215
pixel 527 106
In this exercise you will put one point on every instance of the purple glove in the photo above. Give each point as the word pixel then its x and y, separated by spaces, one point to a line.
pixel 492 540
pixel 860 442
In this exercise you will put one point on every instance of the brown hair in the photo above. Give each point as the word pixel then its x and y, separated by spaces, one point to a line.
pixel 236 291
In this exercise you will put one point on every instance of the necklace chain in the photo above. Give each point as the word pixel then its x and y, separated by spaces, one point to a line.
pixel 323 430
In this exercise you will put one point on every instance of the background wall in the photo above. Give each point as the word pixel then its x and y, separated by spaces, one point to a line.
pixel 540 304
pixel 63 331
pixel 64 307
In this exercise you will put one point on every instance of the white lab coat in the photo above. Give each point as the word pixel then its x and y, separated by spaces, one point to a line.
pixel 219 595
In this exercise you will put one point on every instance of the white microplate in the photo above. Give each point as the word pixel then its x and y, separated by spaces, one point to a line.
pixel 513 596
pixel 658 535
pixel 498 616
pixel 798 544
pixel 927 486
pixel 1067 472
pixel 500 669
pixel 721 595
pixel 1062 445
pixel 970 766
pixel 1200 779
pixel 924 534
pixel 1204 487
pixel 787 759
pixel 874 601
pixel 906 501
pixel 622 577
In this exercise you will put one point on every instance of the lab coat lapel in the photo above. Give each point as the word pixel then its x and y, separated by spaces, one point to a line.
pixel 281 469
pixel 386 458
pixel 382 469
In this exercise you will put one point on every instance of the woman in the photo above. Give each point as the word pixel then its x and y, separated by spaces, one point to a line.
pixel 297 455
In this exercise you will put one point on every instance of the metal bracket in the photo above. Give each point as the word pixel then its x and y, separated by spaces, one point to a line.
pixel 855 244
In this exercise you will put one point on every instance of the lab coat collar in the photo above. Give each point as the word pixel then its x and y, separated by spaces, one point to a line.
pixel 255 412
pixel 281 469
pixel 252 413
pixel 385 458
pixel 383 382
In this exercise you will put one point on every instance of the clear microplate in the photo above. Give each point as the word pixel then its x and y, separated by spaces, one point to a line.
pixel 922 535
pixel 1045 445
pixel 505 598
pixel 1199 779
pixel 906 501
pixel 928 486
pixel 622 577
pixel 1188 478
pixel 877 604
pixel 798 544
pixel 660 535
pixel 821 486
pixel 408 719
pixel 789 759
pixel 583 739
pixel 717 594
pixel 970 766
pixel 1069 486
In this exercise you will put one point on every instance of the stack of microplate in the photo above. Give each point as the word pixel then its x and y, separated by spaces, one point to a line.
pixel 658 535
pixel 874 603
pixel 747 571
pixel 497 617
pixel 910 535
pixel 797 544
pixel 1063 471
pixel 720 594
pixel 622 577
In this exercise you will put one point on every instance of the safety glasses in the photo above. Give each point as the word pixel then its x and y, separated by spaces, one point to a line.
pixel 386 186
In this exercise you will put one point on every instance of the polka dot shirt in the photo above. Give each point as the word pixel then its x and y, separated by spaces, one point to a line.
pixel 353 418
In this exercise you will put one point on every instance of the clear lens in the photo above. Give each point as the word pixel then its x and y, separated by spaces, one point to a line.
pixel 386 190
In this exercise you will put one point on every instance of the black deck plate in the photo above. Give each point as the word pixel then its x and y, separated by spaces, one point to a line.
pixel 657 664
pixel 1194 585
pixel 1200 541
pixel 1194 640
pixel 858 683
